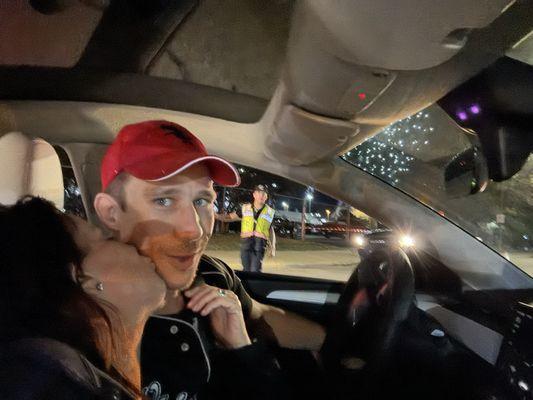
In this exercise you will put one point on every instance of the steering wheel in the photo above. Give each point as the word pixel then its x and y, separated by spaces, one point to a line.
pixel 375 303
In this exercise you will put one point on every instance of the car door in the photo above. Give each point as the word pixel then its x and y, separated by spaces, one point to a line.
pixel 313 298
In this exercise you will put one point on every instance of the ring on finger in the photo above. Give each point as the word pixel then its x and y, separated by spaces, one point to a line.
pixel 222 292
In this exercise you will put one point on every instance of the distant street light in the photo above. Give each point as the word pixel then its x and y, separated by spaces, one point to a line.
pixel 328 211
pixel 309 197
pixel 285 205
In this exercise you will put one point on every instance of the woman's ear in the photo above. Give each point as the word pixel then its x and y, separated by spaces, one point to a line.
pixel 73 273
pixel 108 210
pixel 86 282
pixel 89 284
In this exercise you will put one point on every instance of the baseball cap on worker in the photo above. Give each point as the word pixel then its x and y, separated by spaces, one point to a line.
pixel 158 150
pixel 261 188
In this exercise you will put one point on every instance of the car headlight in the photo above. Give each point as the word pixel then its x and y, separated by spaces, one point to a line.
pixel 406 241
pixel 359 241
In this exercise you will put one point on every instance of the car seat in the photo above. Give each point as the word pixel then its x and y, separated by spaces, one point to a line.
pixel 29 167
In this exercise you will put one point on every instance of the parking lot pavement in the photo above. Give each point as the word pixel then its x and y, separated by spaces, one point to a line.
pixel 327 264
pixel 523 260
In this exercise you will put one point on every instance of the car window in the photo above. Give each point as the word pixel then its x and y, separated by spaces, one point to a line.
pixel 412 155
pixel 322 246
pixel 73 202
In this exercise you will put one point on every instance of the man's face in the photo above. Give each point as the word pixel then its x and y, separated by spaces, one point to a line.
pixel 170 221
pixel 260 196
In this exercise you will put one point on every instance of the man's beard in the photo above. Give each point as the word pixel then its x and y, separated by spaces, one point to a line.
pixel 161 249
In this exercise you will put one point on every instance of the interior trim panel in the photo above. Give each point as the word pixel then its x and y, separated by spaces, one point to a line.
pixel 305 296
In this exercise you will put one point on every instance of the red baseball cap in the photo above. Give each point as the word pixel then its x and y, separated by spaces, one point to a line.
pixel 157 150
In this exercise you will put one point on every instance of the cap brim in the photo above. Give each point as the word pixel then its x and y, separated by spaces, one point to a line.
pixel 221 171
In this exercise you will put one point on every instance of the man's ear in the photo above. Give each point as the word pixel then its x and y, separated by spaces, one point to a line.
pixel 108 210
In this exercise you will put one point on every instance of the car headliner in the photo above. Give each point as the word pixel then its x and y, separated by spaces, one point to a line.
pixel 311 57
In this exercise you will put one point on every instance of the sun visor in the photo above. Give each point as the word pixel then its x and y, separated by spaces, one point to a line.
pixel 32 34
pixel 29 167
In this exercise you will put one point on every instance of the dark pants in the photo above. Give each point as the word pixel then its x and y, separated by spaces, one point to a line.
pixel 252 253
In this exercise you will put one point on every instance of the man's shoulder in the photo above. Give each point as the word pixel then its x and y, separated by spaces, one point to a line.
pixel 216 272
pixel 212 264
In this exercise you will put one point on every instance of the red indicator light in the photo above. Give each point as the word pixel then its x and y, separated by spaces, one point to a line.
pixel 362 96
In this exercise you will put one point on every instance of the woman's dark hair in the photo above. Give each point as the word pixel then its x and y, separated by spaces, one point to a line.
pixel 39 294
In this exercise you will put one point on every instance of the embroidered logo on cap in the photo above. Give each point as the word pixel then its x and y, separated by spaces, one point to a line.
pixel 177 133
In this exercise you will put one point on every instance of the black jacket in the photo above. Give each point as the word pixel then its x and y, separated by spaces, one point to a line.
pixel 45 369
pixel 180 359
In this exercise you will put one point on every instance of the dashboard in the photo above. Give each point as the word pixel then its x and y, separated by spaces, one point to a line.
pixel 516 355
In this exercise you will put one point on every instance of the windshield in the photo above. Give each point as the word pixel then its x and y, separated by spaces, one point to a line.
pixel 412 154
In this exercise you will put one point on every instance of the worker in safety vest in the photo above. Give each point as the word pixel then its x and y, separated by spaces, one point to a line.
pixel 256 229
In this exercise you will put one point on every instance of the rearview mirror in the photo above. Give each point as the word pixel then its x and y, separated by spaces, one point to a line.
pixel 506 148
pixel 466 173
pixel 496 105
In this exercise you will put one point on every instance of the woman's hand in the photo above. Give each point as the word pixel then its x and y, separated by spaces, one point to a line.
pixel 225 312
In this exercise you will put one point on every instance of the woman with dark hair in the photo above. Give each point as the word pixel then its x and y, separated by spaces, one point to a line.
pixel 72 307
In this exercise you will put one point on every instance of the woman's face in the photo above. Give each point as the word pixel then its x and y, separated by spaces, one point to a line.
pixel 116 273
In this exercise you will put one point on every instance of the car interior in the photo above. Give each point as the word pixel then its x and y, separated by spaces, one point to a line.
pixel 288 87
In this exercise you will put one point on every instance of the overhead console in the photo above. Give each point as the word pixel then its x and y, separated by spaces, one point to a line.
pixel 516 356
pixel 371 63
pixel 342 58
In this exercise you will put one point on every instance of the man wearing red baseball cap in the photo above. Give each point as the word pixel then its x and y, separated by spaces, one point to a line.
pixel 157 193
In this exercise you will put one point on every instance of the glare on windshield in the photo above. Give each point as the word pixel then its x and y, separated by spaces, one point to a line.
pixel 412 154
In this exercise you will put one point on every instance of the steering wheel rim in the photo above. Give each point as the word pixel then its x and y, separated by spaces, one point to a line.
pixel 375 303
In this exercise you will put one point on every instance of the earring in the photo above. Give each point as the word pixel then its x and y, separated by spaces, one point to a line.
pixel 100 286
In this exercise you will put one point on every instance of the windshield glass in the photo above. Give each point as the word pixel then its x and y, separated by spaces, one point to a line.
pixel 412 155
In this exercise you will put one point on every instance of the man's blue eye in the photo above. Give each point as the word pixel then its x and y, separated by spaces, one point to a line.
pixel 163 202
pixel 202 202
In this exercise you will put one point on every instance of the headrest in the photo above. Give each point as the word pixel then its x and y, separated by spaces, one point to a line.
pixel 29 167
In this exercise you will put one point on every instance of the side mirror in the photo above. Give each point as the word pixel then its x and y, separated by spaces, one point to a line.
pixel 466 173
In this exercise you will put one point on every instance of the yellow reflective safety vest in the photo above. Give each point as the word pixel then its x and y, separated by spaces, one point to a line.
pixel 260 228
